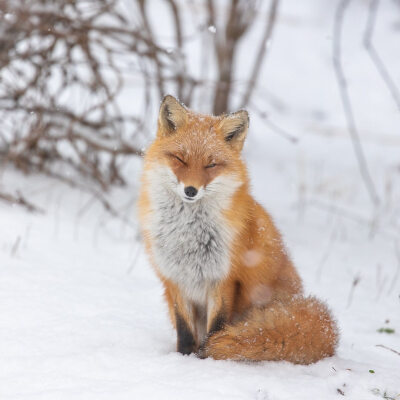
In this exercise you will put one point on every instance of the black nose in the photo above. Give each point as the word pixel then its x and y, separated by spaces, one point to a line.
pixel 190 191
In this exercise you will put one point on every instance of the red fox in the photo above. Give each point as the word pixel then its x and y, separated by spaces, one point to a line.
pixel 231 288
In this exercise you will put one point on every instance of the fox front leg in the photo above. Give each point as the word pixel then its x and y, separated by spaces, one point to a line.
pixel 182 315
pixel 186 343
pixel 219 312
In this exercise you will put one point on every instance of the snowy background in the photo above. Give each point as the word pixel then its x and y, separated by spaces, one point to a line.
pixel 81 312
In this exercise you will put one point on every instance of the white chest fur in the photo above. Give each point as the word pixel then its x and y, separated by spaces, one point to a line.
pixel 191 241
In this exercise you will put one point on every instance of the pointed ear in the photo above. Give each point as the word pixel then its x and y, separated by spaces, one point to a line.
pixel 172 115
pixel 234 128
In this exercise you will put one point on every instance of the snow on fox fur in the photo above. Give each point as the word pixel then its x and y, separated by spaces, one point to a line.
pixel 231 288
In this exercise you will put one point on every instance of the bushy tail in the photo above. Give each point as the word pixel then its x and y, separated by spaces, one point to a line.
pixel 301 331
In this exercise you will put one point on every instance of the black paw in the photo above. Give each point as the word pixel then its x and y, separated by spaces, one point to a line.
pixel 186 348
pixel 186 342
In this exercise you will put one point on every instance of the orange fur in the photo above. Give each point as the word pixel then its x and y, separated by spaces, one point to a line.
pixel 300 330
pixel 257 312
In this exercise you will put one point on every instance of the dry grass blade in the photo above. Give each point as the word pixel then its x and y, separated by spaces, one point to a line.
pixel 388 348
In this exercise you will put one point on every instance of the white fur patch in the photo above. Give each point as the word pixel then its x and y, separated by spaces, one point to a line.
pixel 191 241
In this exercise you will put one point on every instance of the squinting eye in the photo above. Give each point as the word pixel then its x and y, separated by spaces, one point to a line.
pixel 211 165
pixel 180 160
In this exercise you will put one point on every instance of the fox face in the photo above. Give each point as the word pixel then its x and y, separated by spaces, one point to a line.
pixel 197 156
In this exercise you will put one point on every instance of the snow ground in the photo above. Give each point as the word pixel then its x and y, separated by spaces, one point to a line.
pixel 82 315
pixel 81 312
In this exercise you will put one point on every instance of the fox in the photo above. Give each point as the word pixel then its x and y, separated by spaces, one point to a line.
pixel 231 288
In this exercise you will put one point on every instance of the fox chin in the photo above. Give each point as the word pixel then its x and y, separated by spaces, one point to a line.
pixel 231 288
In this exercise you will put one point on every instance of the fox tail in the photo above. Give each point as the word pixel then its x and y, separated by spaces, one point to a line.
pixel 301 331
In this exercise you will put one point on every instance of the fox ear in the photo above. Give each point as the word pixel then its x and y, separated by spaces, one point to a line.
pixel 172 115
pixel 234 128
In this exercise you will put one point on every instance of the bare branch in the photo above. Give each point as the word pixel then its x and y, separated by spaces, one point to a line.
pixel 181 72
pixel 376 59
pixel 272 125
pixel 97 195
pixel 55 50
pixel 240 16
pixel 264 45
pixel 347 108
pixel 19 200
pixel 154 54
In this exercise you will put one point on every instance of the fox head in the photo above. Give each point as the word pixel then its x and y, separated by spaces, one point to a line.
pixel 197 156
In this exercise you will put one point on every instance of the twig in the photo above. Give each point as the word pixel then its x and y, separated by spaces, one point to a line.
pixel 347 108
pixel 19 200
pixel 388 348
pixel 396 276
pixel 153 53
pixel 349 215
pixel 325 256
pixel 380 282
pixel 273 126
pixel 38 120
pixel 376 59
pixel 355 282
pixel 96 194
pixel 269 28
pixel 181 73
pixel 15 246
pixel 135 259
pixel 240 17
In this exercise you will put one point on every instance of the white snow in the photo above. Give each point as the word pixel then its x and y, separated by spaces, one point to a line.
pixel 82 314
